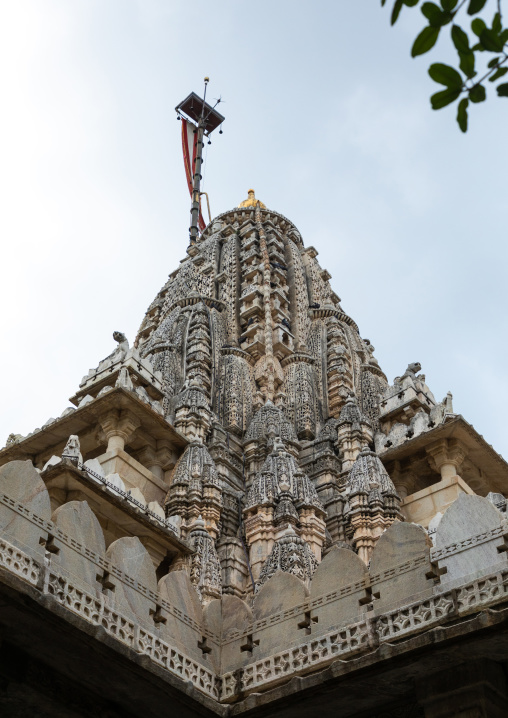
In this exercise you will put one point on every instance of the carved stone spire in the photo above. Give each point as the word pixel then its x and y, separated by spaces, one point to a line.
pixel 257 360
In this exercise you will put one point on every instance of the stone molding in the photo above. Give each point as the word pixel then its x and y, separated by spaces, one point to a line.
pixel 454 548
pixel 33 567
pixel 319 651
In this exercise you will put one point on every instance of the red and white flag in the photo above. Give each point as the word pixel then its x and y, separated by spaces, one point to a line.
pixel 190 146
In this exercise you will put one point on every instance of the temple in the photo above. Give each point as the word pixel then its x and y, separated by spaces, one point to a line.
pixel 240 515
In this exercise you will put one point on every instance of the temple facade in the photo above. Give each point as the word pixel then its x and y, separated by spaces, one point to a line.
pixel 242 497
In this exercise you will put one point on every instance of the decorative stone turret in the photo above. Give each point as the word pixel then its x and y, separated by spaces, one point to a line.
pixel 373 503
pixel 281 496
pixel 193 417
pixel 290 554
pixel 196 491
pixel 205 571
pixel 353 432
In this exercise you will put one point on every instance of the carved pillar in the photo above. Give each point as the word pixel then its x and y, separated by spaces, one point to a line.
pixel 159 460
pixel 404 479
pixel 118 427
pixel 446 456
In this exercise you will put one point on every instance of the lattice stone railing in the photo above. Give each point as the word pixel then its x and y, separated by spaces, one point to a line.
pixel 299 659
pixel 366 635
pixel 436 606
pixel 96 611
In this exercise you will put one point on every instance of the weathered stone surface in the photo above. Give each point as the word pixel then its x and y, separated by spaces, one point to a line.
pixel 156 509
pixel 231 617
pixel 400 565
pixel 472 528
pixel 236 615
pixel 94 465
pixel 343 574
pixel 421 506
pixel 130 556
pixel 279 593
pixel 184 623
pixel 117 483
pixel 53 461
pixel 277 597
pixel 136 495
pixel 20 482
pixel 77 520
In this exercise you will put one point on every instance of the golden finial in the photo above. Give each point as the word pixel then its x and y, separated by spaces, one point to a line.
pixel 251 201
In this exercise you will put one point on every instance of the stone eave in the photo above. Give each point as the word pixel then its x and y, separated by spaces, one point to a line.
pixel 481 453
pixel 83 418
pixel 118 507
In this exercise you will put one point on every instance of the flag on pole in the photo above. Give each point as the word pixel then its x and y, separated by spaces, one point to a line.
pixel 189 145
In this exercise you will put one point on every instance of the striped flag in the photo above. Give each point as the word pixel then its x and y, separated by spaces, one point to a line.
pixel 189 145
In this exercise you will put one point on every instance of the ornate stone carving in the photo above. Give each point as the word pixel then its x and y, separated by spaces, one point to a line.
pixel 205 571
pixel 373 504
pixel 292 555
pixel 196 490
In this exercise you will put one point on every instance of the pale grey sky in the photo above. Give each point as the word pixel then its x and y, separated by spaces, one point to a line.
pixel 327 117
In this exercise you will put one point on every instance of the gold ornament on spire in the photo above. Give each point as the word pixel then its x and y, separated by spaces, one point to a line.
pixel 251 201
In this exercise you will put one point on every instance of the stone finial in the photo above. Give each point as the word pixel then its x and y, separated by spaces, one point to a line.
pixel 251 200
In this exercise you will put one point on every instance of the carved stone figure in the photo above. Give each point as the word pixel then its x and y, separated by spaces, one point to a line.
pixel 72 449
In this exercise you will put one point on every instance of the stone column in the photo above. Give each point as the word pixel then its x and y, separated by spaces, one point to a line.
pixel 403 477
pixel 476 689
pixel 446 457
pixel 118 426
pixel 158 460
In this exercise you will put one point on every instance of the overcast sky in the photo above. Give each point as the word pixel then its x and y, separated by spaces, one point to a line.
pixel 327 117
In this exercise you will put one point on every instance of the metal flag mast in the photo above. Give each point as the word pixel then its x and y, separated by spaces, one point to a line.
pixel 204 119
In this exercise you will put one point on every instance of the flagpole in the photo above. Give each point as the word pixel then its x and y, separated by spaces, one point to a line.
pixel 196 180
pixel 205 120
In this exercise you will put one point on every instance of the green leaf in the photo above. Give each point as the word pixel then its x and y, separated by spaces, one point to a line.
pixel 497 25
pixel 491 41
pixel 411 3
pixel 425 41
pixel 475 6
pixel 433 13
pixel 493 62
pixel 462 114
pixel 502 90
pixel 460 39
pixel 441 99
pixel 467 60
pixel 396 11
pixel 436 16
pixel 478 26
pixel 477 93
pixel 445 75
pixel 448 4
pixel 498 73
pixel 504 36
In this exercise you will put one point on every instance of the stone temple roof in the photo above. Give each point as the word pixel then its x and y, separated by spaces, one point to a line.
pixel 222 464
